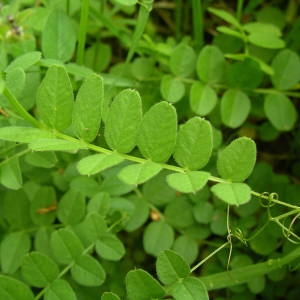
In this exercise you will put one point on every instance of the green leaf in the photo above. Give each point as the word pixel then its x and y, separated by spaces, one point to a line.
pixel 171 267
pixel 110 247
pixel 286 66
pixel 65 246
pixel 87 108
pixel 23 134
pixel 43 199
pixel 139 215
pixel 93 227
pixel 38 269
pixel 71 207
pixel 96 163
pixel 139 173
pixel 12 289
pixel 232 193
pixel 265 28
pixel 140 285
pixel 123 120
pixel 246 74
pixel 280 111
pixel 56 145
pixel 60 290
pixel 182 60
pixel 194 144
pixel 13 247
pixel 16 213
pixel 269 41
pixel 15 81
pixel 224 15
pixel 25 61
pixel 189 182
pixel 157 133
pixel 187 247
pixel 237 160
pixel 171 88
pixel 41 159
pixel 181 220
pixel 109 296
pixel 127 2
pixel 11 175
pixel 58 36
pixel 235 107
pixel 54 98
pixel 210 64
pixel 190 288
pixel 158 236
pixel 88 271
pixel 203 98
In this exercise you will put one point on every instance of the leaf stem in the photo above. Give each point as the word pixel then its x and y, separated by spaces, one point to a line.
pixel 19 109
pixel 209 256
pixel 82 31
pixel 198 24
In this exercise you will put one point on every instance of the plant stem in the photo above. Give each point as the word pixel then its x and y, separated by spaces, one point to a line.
pixel 178 19
pixel 244 274
pixel 82 31
pixel 198 26
pixel 239 9
pixel 19 109
pixel 209 256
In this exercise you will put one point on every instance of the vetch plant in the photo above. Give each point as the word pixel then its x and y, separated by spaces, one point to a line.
pixel 102 172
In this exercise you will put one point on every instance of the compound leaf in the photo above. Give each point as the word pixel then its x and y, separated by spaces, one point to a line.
pixel 60 290
pixel 189 182
pixel 189 288
pixel 210 64
pixel 139 173
pixel 232 193
pixel 88 271
pixel 54 98
pixel 280 111
pixel 171 88
pixel 96 163
pixel 109 296
pixel 56 145
pixel 286 66
pixel 236 161
pixel 38 269
pixel 203 98
pixel 25 61
pixel 123 120
pixel 71 207
pixel 58 36
pixel 13 289
pixel 87 108
pixel 171 267
pixel 21 134
pixel 194 144
pixel 11 175
pixel 158 236
pixel 140 285
pixel 65 246
pixel 110 247
pixel 13 248
pixel 182 60
pixel 157 133
pixel 235 107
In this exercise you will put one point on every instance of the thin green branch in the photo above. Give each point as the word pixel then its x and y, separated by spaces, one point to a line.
pixel 244 274
pixel 198 23
pixel 19 109
pixel 84 15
